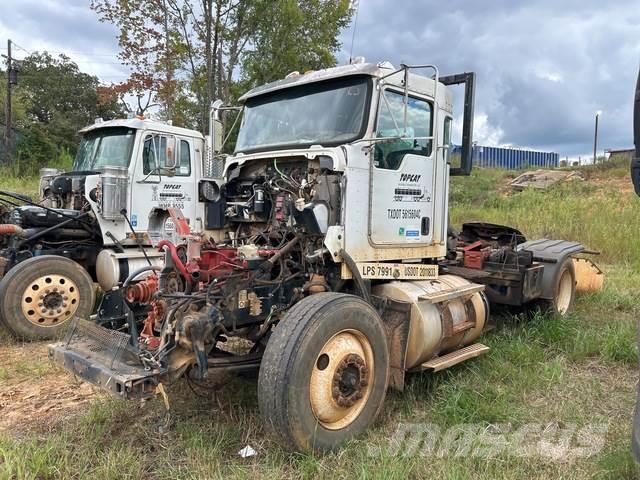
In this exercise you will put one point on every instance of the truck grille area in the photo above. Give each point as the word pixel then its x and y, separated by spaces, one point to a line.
pixel 106 359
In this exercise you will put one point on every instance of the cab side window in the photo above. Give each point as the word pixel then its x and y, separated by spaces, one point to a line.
pixel 154 153
pixel 389 154
pixel 184 167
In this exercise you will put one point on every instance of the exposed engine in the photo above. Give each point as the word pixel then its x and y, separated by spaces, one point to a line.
pixel 60 223
pixel 266 254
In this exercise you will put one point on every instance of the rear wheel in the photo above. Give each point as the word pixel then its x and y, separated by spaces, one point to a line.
pixel 323 377
pixel 39 296
pixel 564 290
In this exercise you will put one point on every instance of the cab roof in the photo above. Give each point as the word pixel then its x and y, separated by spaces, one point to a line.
pixel 369 69
pixel 418 83
pixel 143 124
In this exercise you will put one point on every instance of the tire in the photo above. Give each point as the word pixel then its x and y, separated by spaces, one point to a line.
pixel 324 373
pixel 564 291
pixel 39 296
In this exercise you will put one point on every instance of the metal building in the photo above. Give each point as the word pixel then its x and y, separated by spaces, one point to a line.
pixel 511 158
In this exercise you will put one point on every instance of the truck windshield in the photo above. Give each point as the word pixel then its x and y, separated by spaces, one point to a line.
pixel 104 147
pixel 325 113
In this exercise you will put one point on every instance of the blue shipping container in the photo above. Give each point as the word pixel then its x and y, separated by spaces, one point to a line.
pixel 510 158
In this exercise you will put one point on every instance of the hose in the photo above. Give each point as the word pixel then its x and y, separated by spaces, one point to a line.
pixel 12 229
pixel 176 260
pixel 355 273
pixel 140 271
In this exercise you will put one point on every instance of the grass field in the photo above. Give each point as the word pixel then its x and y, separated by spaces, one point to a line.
pixel 551 373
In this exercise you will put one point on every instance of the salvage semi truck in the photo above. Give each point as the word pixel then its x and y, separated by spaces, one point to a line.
pixel 318 255
pixel 94 223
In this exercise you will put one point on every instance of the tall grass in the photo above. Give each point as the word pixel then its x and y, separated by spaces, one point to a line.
pixel 540 369
pixel 603 217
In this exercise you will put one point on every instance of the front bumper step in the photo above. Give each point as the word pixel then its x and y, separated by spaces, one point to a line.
pixel 106 359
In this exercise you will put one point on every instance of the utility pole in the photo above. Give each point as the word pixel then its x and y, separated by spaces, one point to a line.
pixel 595 138
pixel 8 137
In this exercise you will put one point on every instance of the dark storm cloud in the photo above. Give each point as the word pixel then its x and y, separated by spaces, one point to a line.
pixel 543 67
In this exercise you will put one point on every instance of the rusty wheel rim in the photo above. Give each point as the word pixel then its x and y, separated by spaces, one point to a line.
pixel 50 300
pixel 341 379
pixel 565 288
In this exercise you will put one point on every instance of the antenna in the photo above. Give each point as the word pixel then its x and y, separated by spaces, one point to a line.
pixel 355 5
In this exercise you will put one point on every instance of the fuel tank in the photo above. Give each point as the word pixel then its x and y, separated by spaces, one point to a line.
pixel 441 327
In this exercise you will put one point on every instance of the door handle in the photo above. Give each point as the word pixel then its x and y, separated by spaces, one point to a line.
pixel 424 226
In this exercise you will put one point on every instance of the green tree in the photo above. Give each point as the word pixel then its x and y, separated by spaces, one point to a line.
pixel 52 101
pixel 191 52
pixel 293 35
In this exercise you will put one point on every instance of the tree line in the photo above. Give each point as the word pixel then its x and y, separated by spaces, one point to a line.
pixel 182 55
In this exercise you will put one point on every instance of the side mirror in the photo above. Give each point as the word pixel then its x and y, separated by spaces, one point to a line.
pixel 171 161
pixel 218 135
pixel 466 158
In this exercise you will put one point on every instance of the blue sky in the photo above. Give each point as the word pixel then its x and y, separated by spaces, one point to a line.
pixel 544 67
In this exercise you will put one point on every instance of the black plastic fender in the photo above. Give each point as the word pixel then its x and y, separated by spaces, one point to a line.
pixel 552 254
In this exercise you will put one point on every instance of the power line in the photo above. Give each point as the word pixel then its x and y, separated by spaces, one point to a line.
pixel 21 48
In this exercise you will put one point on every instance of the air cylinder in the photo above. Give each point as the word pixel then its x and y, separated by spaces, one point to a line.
pixel 113 268
pixel 429 334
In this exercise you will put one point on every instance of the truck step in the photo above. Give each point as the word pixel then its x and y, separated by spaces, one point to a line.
pixel 453 358
pixel 451 294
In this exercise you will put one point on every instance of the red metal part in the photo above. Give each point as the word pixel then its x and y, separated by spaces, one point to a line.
pixel 155 313
pixel 217 262
pixel 176 260
pixel 182 226
pixel 473 256
pixel 142 292
pixel 11 229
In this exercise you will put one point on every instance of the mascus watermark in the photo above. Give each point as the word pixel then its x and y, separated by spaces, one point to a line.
pixel 559 442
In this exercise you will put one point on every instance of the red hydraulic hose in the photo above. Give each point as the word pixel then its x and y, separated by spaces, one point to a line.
pixel 11 229
pixel 176 260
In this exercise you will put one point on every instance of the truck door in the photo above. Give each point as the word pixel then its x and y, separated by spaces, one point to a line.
pixel 402 173
pixel 160 188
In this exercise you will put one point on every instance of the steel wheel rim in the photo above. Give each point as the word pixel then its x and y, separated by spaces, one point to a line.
pixel 50 300
pixel 341 379
pixel 565 288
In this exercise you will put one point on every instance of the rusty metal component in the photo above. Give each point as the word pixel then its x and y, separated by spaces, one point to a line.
pixel 316 284
pixel 454 317
pixel 243 299
pixel 396 319
pixel 142 292
pixel 474 255
pixel 153 320
pixel 589 278
pixel 255 304
pixel 50 300
pixel 341 379
pixel 349 380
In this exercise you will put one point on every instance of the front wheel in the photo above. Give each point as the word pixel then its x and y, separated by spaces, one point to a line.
pixel 38 297
pixel 323 377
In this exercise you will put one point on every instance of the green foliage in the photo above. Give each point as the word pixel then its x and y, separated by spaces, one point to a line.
pixel 293 35
pixel 52 101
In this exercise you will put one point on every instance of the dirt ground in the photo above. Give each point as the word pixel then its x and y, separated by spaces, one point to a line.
pixel 34 393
